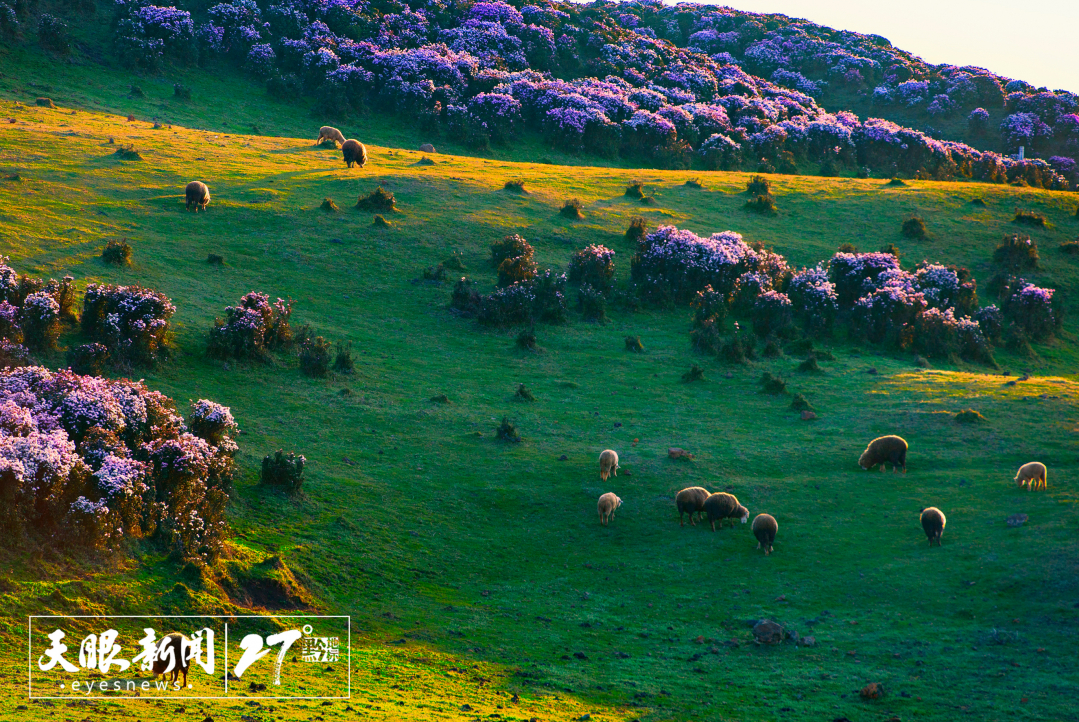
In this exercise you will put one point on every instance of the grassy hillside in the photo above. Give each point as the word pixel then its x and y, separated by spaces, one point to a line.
pixel 475 570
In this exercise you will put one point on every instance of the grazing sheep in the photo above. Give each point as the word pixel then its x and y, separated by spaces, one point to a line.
pixel 328 133
pixel 198 195
pixel 724 506
pixel 691 500
pixel 171 648
pixel 606 507
pixel 608 464
pixel 765 528
pixel 933 522
pixel 1032 475
pixel 354 152
pixel 886 449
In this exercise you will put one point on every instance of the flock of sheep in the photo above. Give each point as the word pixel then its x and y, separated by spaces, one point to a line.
pixel 353 151
pixel 883 450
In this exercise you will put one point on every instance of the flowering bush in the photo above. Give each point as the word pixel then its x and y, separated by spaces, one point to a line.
pixel 39 319
pixel 53 34
pixel 131 321
pixel 96 460
pixel 593 265
pixel 252 329
pixel 772 314
pixel 1032 309
pixel 511 246
pixel 849 271
pixel 144 34
pixel 978 121
pixel 814 298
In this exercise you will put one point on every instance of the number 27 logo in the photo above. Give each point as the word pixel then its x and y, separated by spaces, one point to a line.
pixel 253 648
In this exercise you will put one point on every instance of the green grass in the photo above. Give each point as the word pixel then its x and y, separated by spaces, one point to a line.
pixel 488 558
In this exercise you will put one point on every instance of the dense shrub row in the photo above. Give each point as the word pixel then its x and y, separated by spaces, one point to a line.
pixel 673 85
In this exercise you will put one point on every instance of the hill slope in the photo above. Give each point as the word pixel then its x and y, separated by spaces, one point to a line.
pixel 486 558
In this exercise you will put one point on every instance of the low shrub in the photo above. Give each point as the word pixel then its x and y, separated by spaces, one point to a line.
pixel 1029 218
pixel 39 319
pixel 593 266
pixel 181 92
pixel 88 359
pixel 772 314
pixel 132 321
pixel 127 152
pixel 523 394
pixel 771 350
pixel 252 328
pixel 1070 247
pixel 136 92
pixel 633 343
pixel 464 299
pixel 516 270
pixel 380 222
pixel 508 306
pixel 895 183
pixel 515 186
pixel 914 227
pixel 592 304
pixel 772 384
pixel 512 246
pixel 572 209
pixel 526 339
pixel 740 347
pixel 435 273
pixel 706 338
pixel 117 252
pixel 53 35
pixel 695 373
pixel 810 366
pixel 315 357
pixel 283 470
pixel 342 359
pixel 637 230
pixel 847 248
pixel 377 200
pixel 800 403
pixel 709 305
pixel 694 183
pixel 215 260
pixel 1017 253
pixel 635 190
pixel 453 263
pixel 1036 311
pixel 506 431
pixel 440 399
pixel 891 249
pixel 329 205
pixel 991 322
pixel 763 204
pixel 758 186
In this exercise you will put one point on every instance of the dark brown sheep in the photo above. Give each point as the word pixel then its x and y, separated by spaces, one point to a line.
pixel 689 501
pixel 354 152
pixel 171 649
pixel 765 527
pixel 724 506
pixel 933 522
pixel 886 449
pixel 198 195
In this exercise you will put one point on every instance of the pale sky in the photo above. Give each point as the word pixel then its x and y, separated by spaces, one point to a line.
pixel 1036 40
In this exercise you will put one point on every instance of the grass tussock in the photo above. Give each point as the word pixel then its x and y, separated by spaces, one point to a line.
pixel 637 230
pixel 695 373
pixel 1029 218
pixel 895 183
pixel 758 185
pixel 515 186
pixel 1070 248
pixel 800 403
pixel 763 204
pixel 969 416
pixel 772 385
pixel 329 206
pixel 380 222
pixel 215 260
pixel 127 152
pixel 1017 253
pixel 379 200
pixel 507 432
pixel 117 252
pixel 635 190
pixel 633 344
pixel 694 183
pixel 523 394
pixel 914 228
pixel 572 209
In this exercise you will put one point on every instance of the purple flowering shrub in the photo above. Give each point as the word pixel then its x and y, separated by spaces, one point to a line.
pixel 131 321
pixel 540 298
pixel 1036 311
pixel 251 329
pixel 772 313
pixel 850 271
pixel 96 461
pixel 814 299
pixel 593 265
pixel 143 35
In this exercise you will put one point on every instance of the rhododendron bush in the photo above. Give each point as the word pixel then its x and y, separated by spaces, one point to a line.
pixel 663 83
pixel 95 461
